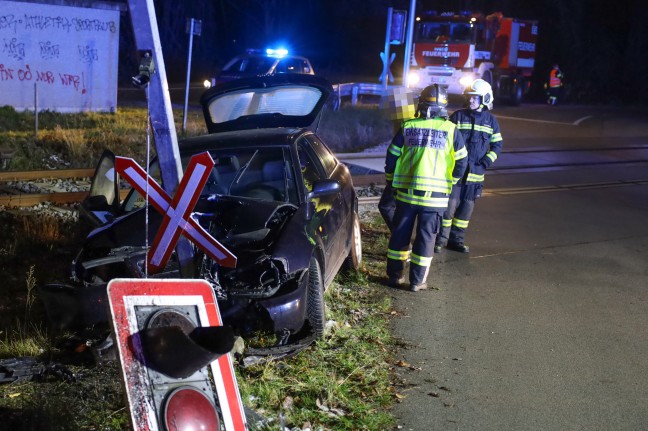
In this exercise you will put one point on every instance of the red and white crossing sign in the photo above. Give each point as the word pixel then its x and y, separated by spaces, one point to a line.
pixel 159 402
pixel 176 211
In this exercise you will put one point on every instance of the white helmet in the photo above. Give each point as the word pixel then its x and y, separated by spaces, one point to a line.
pixel 483 89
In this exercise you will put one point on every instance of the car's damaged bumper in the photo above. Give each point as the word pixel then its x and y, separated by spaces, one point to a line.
pixel 77 306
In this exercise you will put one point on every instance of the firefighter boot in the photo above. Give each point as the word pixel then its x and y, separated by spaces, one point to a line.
pixel 417 287
pixel 396 282
pixel 461 248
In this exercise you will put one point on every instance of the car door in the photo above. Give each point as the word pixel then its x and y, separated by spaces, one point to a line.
pixel 344 205
pixel 102 203
pixel 330 215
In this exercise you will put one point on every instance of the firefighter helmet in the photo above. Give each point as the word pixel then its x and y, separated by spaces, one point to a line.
pixel 483 89
pixel 433 101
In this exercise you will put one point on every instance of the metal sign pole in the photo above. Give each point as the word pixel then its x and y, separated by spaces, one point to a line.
pixel 147 38
pixel 186 101
pixel 408 42
pixel 385 59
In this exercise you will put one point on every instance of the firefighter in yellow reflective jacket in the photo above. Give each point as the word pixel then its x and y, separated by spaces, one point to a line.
pixel 425 158
pixel 481 132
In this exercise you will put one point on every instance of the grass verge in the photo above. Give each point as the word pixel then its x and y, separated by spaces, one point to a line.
pixel 77 140
pixel 342 382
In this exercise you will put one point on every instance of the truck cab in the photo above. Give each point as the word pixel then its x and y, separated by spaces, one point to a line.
pixel 455 49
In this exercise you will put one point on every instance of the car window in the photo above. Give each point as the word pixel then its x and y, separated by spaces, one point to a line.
pixel 328 160
pixel 294 100
pixel 310 164
pixel 236 66
pixel 290 65
pixel 256 173
pixel 251 65
pixel 306 66
pixel 258 65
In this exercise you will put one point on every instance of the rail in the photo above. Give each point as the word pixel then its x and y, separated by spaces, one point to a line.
pixel 24 199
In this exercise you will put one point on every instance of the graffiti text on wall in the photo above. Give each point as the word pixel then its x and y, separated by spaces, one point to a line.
pixel 42 22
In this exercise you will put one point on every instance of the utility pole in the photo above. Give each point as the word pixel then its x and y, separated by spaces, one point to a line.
pixel 147 38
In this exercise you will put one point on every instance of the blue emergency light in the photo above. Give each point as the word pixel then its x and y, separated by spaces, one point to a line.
pixel 279 52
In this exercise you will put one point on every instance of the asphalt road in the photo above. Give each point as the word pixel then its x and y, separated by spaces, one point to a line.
pixel 544 325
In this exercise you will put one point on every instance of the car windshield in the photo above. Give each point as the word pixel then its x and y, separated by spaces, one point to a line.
pixel 256 173
pixel 444 32
pixel 251 65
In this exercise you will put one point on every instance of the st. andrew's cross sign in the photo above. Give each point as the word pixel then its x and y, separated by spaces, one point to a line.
pixel 176 211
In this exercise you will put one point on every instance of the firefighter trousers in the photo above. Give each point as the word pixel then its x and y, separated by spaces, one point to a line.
pixel 457 217
pixel 420 257
pixel 387 206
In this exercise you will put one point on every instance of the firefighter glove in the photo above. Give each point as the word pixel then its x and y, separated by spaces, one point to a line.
pixel 486 162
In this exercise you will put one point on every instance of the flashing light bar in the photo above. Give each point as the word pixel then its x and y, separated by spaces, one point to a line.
pixel 280 52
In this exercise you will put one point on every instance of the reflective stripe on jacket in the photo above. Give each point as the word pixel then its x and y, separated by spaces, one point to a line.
pixel 426 155
pixel 483 140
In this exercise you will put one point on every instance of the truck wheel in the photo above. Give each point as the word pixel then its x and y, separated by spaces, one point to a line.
pixel 315 309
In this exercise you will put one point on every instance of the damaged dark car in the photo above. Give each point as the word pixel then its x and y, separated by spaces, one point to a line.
pixel 277 198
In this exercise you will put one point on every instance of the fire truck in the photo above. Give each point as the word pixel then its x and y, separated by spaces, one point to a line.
pixel 454 49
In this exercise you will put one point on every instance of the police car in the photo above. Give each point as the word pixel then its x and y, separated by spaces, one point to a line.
pixel 256 62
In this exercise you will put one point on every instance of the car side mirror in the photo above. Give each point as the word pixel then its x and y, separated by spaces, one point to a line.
pixel 320 189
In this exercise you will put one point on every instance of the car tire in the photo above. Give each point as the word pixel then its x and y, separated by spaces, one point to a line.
pixel 316 309
pixel 354 259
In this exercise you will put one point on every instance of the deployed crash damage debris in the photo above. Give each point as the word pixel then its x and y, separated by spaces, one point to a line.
pixel 29 368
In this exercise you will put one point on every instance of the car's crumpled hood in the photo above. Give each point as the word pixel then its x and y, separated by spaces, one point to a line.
pixel 241 225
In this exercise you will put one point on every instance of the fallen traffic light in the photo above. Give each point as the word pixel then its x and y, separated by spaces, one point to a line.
pixel 173 351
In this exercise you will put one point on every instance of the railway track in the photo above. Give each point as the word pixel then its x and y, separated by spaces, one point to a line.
pixel 511 161
pixel 28 188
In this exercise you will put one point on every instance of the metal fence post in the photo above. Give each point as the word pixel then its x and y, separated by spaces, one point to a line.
pixel 354 95
pixel 35 111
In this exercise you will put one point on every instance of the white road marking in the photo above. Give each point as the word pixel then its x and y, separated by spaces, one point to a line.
pixel 575 123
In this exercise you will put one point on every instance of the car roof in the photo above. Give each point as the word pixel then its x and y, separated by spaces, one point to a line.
pixel 276 57
pixel 267 101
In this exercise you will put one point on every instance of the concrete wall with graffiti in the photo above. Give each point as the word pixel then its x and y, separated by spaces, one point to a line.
pixel 61 58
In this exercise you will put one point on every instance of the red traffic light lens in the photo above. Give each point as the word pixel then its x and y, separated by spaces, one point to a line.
pixel 188 409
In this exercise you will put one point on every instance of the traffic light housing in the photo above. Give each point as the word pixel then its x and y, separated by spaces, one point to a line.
pixel 173 352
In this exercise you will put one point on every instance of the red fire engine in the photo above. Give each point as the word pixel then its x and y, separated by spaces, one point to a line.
pixel 453 50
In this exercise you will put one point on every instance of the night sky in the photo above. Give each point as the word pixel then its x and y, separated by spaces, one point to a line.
pixel 601 46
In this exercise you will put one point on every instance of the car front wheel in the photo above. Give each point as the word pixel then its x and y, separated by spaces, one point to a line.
pixel 316 308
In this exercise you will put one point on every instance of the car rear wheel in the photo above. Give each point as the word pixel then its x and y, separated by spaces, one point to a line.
pixel 316 308
pixel 354 259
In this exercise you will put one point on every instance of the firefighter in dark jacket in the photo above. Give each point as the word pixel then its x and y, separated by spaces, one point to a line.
pixel 481 133
pixel 425 158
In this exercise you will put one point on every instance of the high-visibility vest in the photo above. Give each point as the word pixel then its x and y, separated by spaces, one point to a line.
pixel 427 158
pixel 555 78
